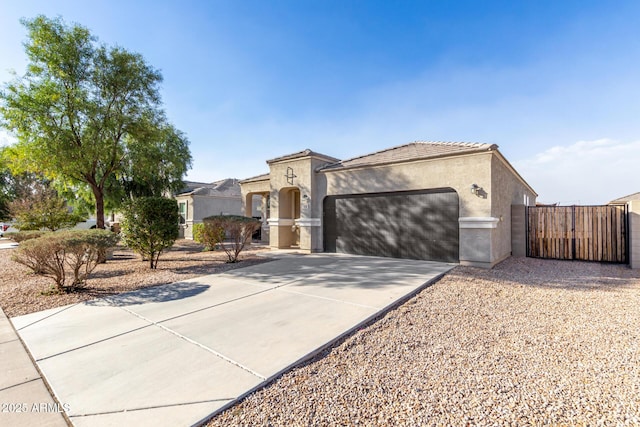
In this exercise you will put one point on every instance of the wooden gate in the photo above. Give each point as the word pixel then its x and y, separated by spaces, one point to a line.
pixel 589 233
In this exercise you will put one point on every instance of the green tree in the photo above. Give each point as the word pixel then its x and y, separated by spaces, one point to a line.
pixel 39 207
pixel 7 192
pixel 88 114
pixel 150 226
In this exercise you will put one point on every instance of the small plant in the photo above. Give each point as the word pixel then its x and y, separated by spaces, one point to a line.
pixel 67 257
pixel 208 235
pixel 230 232
pixel 150 226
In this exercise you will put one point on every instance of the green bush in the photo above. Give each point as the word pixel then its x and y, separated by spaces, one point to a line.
pixel 150 225
pixel 43 210
pixel 230 232
pixel 208 235
pixel 21 236
pixel 67 257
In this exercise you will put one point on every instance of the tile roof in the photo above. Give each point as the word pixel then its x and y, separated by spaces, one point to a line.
pixel 625 199
pixel 413 151
pixel 303 153
pixel 228 187
pixel 263 177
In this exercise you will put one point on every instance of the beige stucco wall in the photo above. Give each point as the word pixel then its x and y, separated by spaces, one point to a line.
pixel 204 206
pixel 458 172
pixel 506 189
pixel 262 186
pixel 199 207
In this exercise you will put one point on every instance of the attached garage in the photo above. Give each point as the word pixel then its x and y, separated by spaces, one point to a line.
pixel 406 224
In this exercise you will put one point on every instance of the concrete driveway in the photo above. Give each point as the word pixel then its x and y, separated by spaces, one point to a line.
pixel 174 354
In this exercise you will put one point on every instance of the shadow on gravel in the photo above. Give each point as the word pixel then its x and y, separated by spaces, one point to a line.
pixel 108 274
pixel 161 293
pixel 556 274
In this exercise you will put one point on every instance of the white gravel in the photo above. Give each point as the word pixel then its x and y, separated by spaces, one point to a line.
pixel 531 342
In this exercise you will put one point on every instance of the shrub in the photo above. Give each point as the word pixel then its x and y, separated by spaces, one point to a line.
pixel 43 209
pixel 21 236
pixel 230 232
pixel 208 235
pixel 67 257
pixel 150 225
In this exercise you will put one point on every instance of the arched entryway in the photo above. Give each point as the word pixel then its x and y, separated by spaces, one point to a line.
pixel 256 205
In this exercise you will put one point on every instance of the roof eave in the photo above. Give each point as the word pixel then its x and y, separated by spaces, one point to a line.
pixel 328 168
pixel 257 178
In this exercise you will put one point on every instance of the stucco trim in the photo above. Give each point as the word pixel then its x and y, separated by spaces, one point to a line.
pixel 309 222
pixel 280 222
pixel 478 222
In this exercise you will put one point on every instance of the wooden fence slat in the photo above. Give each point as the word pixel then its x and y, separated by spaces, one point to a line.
pixel 591 233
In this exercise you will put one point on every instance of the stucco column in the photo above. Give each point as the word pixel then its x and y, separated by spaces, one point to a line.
pixel 264 234
pixel 475 241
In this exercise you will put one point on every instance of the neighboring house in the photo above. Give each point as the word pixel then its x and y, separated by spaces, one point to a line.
pixel 632 206
pixel 626 199
pixel 424 200
pixel 199 200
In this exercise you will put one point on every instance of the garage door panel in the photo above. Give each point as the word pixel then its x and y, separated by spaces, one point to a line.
pixel 416 224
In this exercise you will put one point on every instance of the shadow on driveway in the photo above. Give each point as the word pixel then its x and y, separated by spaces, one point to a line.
pixel 161 293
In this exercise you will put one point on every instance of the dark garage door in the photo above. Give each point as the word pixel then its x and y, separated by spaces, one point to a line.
pixel 409 224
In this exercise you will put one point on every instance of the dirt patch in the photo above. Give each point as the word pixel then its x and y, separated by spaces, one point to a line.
pixel 21 292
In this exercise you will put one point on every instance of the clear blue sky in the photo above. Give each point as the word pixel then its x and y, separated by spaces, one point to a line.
pixel 556 84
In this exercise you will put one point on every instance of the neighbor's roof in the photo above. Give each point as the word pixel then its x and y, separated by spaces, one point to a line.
pixel 625 199
pixel 228 187
pixel 413 151
pixel 304 153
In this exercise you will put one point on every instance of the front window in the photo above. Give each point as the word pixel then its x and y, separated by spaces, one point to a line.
pixel 182 211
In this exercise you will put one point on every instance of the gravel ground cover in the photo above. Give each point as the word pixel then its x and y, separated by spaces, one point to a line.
pixel 530 342
pixel 21 292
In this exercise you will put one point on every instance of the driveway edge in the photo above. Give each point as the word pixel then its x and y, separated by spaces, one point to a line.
pixel 333 342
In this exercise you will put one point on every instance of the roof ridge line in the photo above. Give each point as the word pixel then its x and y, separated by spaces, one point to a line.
pixel 373 153
pixel 465 144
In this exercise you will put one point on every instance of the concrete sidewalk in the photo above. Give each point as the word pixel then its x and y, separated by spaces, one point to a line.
pixel 174 354
pixel 24 398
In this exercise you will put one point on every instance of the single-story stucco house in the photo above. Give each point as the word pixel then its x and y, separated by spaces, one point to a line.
pixel 199 200
pixel 424 200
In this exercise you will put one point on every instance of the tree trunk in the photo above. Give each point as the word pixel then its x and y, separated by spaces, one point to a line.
pixel 98 194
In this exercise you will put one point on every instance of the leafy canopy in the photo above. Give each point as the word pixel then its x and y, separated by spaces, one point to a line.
pixel 91 115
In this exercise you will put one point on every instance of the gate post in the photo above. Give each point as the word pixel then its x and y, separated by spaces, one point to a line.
pixel 518 230
pixel 634 234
